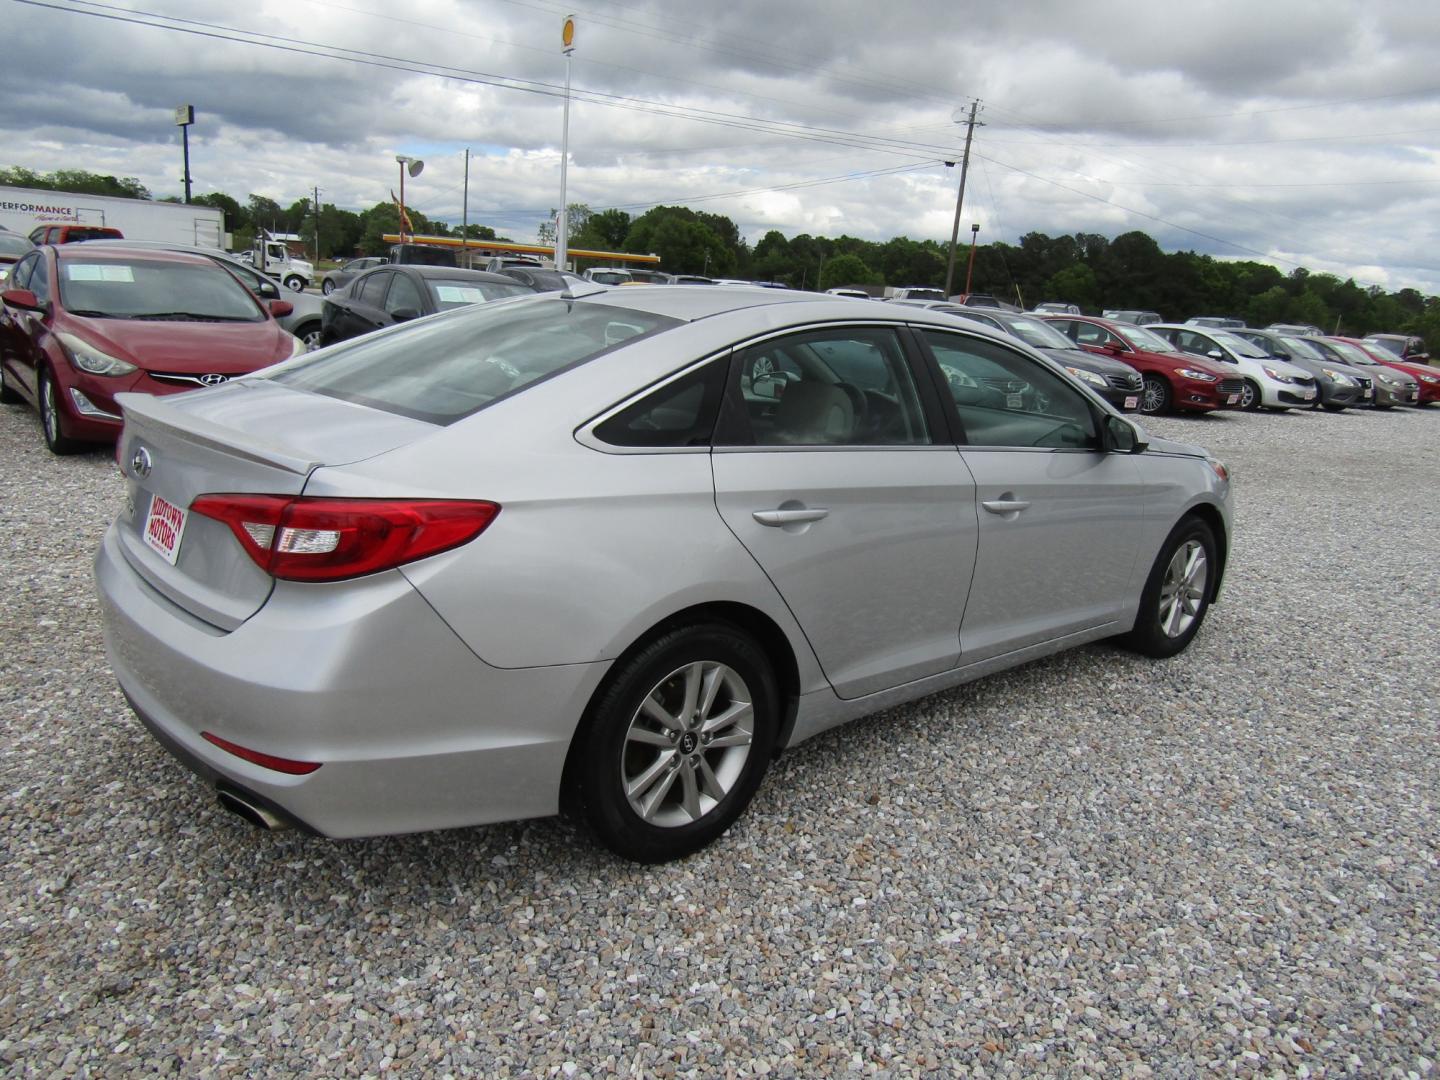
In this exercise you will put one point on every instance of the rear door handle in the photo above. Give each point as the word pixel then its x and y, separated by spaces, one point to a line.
pixel 776 518
pixel 1005 506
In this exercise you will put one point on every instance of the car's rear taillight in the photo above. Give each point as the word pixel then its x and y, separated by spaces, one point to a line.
pixel 310 539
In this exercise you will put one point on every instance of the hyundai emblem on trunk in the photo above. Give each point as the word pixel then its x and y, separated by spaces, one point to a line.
pixel 140 462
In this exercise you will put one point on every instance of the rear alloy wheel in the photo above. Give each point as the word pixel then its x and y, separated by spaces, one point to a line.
pixel 676 744
pixel 327 286
pixel 1250 396
pixel 55 437
pixel 295 283
pixel 1154 395
pixel 8 394
pixel 1177 592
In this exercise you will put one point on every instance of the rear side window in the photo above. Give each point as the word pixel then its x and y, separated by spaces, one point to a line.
pixel 443 369
pixel 372 289
pixel 681 413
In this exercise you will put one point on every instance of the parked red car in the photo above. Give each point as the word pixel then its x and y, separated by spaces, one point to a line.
pixel 71 234
pixel 1174 380
pixel 79 325
pixel 1427 376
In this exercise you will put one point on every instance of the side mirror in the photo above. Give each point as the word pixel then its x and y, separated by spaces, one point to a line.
pixel 22 298
pixel 1215 354
pixel 268 290
pixel 281 308
pixel 1123 437
pixel 404 314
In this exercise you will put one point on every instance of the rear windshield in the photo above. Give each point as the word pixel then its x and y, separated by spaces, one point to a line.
pixel 441 370
pixel 169 291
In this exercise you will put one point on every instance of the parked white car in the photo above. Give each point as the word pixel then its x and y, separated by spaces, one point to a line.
pixel 1269 383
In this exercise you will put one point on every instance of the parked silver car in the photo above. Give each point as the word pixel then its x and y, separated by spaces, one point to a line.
pixel 610 551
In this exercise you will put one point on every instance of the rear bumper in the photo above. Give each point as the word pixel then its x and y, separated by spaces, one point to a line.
pixel 412 731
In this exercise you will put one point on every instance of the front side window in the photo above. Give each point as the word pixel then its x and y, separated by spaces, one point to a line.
pixel 20 276
pixel 444 369
pixel 848 386
pixel 1006 399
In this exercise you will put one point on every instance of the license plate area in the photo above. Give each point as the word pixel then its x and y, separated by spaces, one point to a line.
pixel 1132 402
pixel 1233 399
pixel 164 527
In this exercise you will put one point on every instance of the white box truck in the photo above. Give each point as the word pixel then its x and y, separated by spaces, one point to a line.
pixel 23 210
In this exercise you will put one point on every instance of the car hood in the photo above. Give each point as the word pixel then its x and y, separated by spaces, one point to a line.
pixel 223 348
pixel 1170 446
pixel 1088 361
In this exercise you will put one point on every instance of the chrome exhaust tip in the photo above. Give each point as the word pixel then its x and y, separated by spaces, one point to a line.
pixel 237 803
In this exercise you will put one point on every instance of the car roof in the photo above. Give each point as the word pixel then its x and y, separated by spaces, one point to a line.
pixel 452 273
pixel 119 250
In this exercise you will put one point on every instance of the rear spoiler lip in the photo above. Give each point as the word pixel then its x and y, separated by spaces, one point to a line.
pixel 146 412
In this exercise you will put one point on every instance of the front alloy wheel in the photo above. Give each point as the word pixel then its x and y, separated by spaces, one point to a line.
pixel 1249 396
pixel 55 437
pixel 675 743
pixel 1155 396
pixel 1177 592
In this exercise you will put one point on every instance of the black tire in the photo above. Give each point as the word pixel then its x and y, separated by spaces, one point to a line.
pixel 327 287
pixel 51 417
pixel 1154 396
pixel 8 394
pixel 604 753
pixel 295 283
pixel 1250 396
pixel 1150 637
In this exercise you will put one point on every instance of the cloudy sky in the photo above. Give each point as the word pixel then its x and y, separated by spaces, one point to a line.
pixel 1303 132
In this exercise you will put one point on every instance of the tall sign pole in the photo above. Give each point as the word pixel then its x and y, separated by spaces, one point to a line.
pixel 465 207
pixel 184 117
pixel 960 199
pixel 562 231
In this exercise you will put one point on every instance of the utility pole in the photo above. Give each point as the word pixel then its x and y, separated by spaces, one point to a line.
pixel 316 205
pixel 960 199
pixel 465 209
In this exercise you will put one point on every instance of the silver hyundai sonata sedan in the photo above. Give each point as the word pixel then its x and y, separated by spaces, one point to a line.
pixel 610 553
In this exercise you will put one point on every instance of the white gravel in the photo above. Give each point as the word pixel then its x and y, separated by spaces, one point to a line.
pixel 1221 864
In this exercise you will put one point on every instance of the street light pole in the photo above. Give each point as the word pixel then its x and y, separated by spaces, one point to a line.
pixel 960 198
pixel 402 161
pixel 562 231
pixel 970 270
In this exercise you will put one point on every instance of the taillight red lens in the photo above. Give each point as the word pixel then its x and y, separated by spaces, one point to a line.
pixel 307 539
pixel 267 761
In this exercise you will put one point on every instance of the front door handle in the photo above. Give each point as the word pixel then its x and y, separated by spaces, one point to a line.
pixel 1005 506
pixel 777 518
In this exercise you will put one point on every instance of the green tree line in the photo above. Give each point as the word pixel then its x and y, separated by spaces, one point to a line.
pixel 1094 271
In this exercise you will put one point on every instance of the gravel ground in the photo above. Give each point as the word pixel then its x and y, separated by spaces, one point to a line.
pixel 1220 864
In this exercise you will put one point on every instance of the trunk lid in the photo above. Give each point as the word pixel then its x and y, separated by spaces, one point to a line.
pixel 253 437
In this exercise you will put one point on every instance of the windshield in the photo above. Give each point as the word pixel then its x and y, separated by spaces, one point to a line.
pixel 1353 354
pixel 1147 340
pixel 1392 345
pixel 610 277
pixel 141 289
pixel 1039 334
pixel 452 294
pixel 1301 347
pixel 1239 345
pixel 443 369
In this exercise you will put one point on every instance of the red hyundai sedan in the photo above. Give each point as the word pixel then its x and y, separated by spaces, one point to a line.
pixel 80 325
pixel 1174 380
